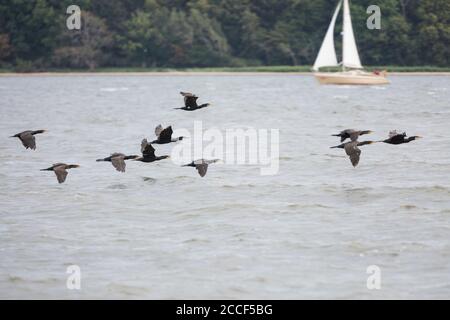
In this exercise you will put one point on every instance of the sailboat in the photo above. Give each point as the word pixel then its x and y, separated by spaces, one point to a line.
pixel 352 71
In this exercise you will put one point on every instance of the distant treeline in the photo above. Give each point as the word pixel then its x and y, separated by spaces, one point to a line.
pixel 212 33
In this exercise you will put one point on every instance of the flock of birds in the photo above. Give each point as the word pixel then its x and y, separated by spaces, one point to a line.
pixel 164 136
pixel 351 147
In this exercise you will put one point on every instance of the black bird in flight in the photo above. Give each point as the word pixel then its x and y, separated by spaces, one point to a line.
pixel 118 160
pixel 399 138
pixel 351 134
pixel 60 170
pixel 190 102
pixel 148 153
pixel 165 135
pixel 201 165
pixel 352 150
pixel 27 138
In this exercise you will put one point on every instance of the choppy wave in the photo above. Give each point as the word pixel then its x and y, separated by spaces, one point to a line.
pixel 233 233
pixel 114 89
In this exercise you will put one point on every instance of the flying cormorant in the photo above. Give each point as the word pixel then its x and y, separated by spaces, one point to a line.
pixel 399 138
pixel 352 150
pixel 351 134
pixel 164 135
pixel 190 102
pixel 201 165
pixel 118 160
pixel 27 138
pixel 60 170
pixel 148 153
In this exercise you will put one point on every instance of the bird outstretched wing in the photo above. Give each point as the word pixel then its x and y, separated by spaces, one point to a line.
pixel 353 152
pixel 354 135
pixel 393 133
pixel 211 161
pixel 118 162
pixel 166 134
pixel 147 149
pixel 117 154
pixel 202 169
pixel 61 173
pixel 354 158
pixel 158 130
pixel 190 100
pixel 28 140
pixel 187 94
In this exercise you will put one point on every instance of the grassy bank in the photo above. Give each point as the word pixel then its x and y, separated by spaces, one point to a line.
pixel 233 69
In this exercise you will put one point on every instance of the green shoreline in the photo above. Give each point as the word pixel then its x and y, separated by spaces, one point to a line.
pixel 280 69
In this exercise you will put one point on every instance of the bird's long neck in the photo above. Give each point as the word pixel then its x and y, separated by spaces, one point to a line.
pixel 363 143
pixel 189 165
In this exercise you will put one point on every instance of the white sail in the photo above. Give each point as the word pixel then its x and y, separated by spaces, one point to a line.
pixel 350 57
pixel 327 52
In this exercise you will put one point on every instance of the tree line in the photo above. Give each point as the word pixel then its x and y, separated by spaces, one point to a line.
pixel 209 33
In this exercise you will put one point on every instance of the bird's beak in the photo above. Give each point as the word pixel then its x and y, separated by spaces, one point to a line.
pixel 12 136
pixel 419 137
pixel 334 147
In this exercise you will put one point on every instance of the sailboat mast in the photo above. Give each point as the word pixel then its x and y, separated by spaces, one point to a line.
pixel 343 51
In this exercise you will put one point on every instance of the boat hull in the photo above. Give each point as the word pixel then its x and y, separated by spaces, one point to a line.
pixel 346 78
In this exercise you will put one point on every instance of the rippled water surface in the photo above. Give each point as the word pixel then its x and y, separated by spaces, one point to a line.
pixel 161 231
